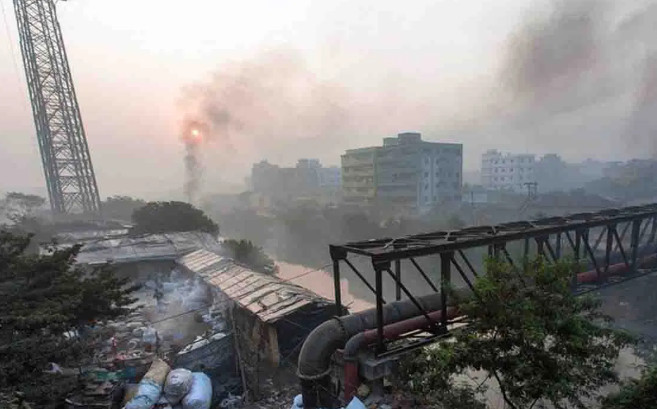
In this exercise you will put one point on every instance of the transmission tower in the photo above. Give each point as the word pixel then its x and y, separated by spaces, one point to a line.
pixel 62 142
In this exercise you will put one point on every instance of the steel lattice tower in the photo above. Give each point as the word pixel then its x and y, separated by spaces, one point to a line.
pixel 62 142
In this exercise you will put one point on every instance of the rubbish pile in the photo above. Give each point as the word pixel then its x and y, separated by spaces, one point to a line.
pixel 129 344
pixel 174 313
pixel 163 388
pixel 100 388
pixel 388 402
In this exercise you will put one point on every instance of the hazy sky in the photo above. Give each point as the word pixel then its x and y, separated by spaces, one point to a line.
pixel 330 75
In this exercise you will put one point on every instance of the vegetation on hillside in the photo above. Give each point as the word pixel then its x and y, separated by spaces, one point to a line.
pixel 301 233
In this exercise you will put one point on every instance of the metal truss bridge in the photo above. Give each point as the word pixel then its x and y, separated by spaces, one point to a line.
pixel 612 246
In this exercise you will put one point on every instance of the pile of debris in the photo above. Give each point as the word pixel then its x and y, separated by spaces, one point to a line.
pixel 101 389
pixel 130 344
pixel 163 388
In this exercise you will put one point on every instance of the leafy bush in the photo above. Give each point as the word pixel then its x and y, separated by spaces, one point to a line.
pixel 528 332
pixel 167 217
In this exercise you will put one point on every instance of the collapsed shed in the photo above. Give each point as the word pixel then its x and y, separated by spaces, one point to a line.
pixel 271 317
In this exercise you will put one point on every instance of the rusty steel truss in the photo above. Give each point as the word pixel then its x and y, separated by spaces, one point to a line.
pixel 611 246
pixel 62 141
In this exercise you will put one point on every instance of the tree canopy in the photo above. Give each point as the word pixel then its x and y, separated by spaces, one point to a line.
pixel 120 207
pixel 635 393
pixel 531 335
pixel 44 300
pixel 166 217
pixel 247 253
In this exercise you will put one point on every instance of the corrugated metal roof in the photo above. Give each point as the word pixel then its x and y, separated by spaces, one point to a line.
pixel 89 235
pixel 266 296
pixel 166 246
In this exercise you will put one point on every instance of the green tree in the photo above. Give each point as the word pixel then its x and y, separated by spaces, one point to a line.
pixel 44 302
pixel 635 393
pixel 529 333
pixel 247 253
pixel 121 207
pixel 165 217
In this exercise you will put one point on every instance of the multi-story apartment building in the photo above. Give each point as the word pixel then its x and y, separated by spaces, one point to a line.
pixel 358 175
pixel 506 171
pixel 405 171
pixel 308 179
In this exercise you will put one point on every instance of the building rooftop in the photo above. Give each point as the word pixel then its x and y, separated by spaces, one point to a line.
pixel 152 247
pixel 266 296
pixel 404 138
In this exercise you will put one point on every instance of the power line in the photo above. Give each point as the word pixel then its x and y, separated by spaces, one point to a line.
pixel 307 272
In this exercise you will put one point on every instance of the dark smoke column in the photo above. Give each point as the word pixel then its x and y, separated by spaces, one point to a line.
pixel 193 134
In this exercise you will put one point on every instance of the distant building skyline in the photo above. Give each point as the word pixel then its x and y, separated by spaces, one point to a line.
pixel 308 179
pixel 507 171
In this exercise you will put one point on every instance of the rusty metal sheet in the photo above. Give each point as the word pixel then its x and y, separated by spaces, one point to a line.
pixel 266 296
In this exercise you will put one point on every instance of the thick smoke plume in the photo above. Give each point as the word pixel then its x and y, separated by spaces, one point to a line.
pixel 583 75
pixel 263 108
pixel 193 134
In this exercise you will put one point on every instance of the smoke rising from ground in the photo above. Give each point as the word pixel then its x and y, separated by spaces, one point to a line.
pixel 193 134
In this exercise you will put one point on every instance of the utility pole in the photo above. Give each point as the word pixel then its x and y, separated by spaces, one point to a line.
pixel 70 177
pixel 532 192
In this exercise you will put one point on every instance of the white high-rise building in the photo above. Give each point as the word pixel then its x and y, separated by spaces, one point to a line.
pixel 506 171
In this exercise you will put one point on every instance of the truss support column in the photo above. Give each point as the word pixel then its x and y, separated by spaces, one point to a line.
pixel 378 273
pixel 398 280
pixel 445 279
pixel 578 243
pixel 337 254
pixel 610 245
pixel 635 237
pixel 336 288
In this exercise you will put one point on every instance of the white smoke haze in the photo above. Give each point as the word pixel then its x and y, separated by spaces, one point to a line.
pixel 578 80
